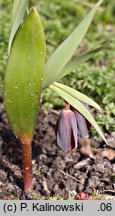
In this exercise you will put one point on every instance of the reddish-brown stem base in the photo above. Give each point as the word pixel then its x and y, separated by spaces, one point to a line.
pixel 27 164
pixel 67 106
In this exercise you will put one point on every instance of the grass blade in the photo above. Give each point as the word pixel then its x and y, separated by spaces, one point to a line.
pixel 23 79
pixel 78 106
pixel 78 95
pixel 19 15
pixel 65 51
pixel 74 63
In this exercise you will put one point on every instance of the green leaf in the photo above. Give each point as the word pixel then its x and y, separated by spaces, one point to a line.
pixel 18 16
pixel 65 51
pixel 78 106
pixel 23 79
pixel 74 63
pixel 78 95
pixel 16 4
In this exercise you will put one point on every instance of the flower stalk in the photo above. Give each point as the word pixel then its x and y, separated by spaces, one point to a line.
pixel 67 106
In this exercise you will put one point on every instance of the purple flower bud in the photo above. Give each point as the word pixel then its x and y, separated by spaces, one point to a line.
pixel 82 123
pixel 66 131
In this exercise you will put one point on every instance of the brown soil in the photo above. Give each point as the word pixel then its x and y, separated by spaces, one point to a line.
pixel 54 173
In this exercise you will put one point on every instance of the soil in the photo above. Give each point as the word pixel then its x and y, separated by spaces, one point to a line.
pixel 54 173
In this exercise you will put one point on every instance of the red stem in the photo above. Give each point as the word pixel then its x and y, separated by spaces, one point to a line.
pixel 67 106
pixel 27 163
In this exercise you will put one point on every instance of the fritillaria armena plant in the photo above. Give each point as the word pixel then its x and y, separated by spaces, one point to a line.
pixel 28 74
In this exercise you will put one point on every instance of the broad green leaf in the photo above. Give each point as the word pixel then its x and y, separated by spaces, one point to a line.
pixel 78 95
pixel 78 106
pixel 75 62
pixel 18 16
pixel 65 51
pixel 23 79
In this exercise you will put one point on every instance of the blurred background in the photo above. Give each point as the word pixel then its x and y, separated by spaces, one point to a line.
pixel 96 78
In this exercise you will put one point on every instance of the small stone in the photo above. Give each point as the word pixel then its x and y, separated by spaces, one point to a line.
pixel 93 182
pixel 99 168
pixel 55 188
pixel 3 175
pixel 80 187
pixel 29 196
pixel 111 142
pixel 70 184
pixel 113 134
pixel 45 186
pixel 1 184
pixel 71 170
pixel 33 162
pixel 113 168
pixel 43 156
pixel 85 147
pixel 10 187
pixel 109 154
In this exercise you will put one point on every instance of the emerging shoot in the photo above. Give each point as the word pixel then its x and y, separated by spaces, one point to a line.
pixel 23 85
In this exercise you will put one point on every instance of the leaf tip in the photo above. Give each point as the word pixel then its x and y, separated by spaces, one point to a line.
pixel 106 142
pixel 34 11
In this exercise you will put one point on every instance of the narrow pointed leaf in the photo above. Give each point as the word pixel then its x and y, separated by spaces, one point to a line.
pixel 16 4
pixel 78 95
pixel 74 63
pixel 78 106
pixel 18 18
pixel 23 79
pixel 65 51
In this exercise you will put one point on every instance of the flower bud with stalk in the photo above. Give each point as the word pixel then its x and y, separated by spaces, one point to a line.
pixel 66 129
pixel 70 127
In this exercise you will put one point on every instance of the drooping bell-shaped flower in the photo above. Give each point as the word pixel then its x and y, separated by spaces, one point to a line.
pixel 66 130
pixel 82 124
pixel 83 133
